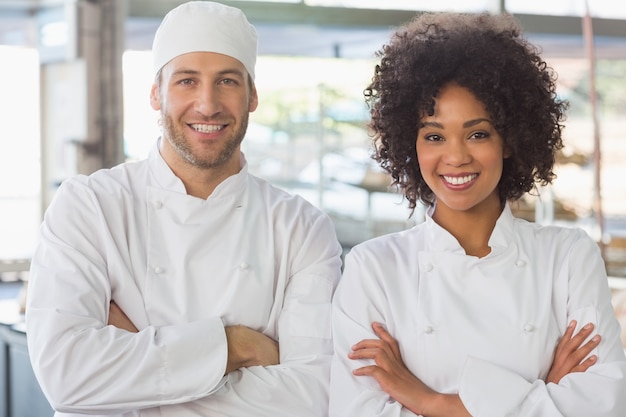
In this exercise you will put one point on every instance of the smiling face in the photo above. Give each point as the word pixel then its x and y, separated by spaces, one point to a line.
pixel 204 99
pixel 460 153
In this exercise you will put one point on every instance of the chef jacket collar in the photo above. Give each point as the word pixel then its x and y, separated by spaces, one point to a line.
pixel 167 180
pixel 503 232
pixel 442 241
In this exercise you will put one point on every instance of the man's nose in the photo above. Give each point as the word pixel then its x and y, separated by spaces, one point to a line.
pixel 208 102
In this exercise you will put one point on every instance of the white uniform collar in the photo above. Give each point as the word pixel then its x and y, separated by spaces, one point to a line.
pixel 167 180
pixel 442 241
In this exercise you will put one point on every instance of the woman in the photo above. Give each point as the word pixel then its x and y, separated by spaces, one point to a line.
pixel 473 312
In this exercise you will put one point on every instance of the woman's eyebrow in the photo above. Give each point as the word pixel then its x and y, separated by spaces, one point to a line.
pixel 474 122
pixel 432 124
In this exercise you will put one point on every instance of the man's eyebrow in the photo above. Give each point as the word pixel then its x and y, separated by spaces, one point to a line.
pixel 227 71
pixel 234 71
pixel 185 72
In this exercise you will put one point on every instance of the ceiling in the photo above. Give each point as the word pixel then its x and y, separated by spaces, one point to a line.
pixel 301 30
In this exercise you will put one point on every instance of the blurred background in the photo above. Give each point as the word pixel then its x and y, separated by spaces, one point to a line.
pixel 75 76
pixel 75 79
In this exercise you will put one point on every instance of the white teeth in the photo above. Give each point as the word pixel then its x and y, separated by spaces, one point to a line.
pixel 460 180
pixel 207 128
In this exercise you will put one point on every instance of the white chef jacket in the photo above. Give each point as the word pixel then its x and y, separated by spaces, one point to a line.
pixel 485 328
pixel 181 268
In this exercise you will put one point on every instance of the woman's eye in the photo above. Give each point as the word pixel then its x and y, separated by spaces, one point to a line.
pixel 479 135
pixel 433 138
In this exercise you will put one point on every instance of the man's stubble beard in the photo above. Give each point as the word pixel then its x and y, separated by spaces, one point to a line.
pixel 178 140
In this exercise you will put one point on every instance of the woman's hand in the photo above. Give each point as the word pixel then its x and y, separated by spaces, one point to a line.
pixel 119 319
pixel 570 352
pixel 396 380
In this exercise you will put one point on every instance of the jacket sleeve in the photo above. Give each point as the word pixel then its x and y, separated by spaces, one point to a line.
pixel 485 388
pixel 298 386
pixel 488 390
pixel 357 303
pixel 85 366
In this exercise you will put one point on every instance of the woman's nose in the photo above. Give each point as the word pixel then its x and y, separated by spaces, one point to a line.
pixel 457 153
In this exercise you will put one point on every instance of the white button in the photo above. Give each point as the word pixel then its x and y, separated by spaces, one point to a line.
pixel 428 267
pixel 520 263
pixel 243 266
pixel 428 330
pixel 158 205
pixel 529 328
pixel 158 270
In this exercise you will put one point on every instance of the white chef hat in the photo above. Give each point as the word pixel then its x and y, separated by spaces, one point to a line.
pixel 205 26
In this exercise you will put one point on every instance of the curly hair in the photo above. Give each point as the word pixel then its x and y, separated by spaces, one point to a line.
pixel 487 55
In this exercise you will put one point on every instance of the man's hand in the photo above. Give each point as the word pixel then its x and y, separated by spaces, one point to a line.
pixel 570 353
pixel 247 347
pixel 119 319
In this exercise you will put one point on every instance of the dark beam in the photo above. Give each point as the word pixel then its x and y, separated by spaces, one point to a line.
pixel 302 14
pixel 571 25
pixel 288 13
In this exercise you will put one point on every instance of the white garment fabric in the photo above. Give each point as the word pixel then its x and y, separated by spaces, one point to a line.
pixel 485 328
pixel 181 268
pixel 205 26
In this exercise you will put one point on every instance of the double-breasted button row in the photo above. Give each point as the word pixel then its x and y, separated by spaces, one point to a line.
pixel 528 328
pixel 159 269
pixel 520 263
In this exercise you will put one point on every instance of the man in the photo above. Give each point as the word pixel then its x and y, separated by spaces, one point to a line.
pixel 182 285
